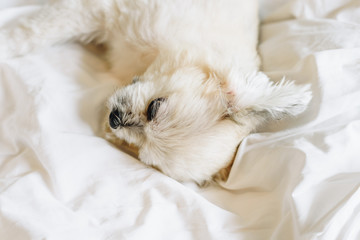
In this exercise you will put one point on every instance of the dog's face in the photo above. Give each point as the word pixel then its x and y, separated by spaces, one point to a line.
pixel 187 122
pixel 178 121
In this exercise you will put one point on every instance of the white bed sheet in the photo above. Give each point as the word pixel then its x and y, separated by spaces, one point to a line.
pixel 295 179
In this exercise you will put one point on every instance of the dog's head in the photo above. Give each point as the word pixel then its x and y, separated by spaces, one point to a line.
pixel 187 121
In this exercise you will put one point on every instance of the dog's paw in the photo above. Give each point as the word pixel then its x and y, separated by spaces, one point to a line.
pixel 223 174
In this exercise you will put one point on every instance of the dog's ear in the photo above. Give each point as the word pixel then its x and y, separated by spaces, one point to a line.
pixel 253 98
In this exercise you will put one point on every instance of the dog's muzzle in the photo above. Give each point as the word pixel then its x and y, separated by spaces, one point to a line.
pixel 115 119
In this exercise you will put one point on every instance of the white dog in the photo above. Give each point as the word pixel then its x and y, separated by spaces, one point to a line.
pixel 196 91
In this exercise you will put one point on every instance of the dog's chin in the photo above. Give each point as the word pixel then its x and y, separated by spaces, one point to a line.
pixel 199 157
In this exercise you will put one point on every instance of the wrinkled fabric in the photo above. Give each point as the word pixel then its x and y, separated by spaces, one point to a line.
pixel 296 178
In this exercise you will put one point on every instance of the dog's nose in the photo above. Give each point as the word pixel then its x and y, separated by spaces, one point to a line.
pixel 115 119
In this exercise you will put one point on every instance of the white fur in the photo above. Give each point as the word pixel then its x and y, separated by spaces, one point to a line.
pixel 199 56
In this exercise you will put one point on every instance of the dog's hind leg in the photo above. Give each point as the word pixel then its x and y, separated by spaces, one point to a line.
pixel 53 24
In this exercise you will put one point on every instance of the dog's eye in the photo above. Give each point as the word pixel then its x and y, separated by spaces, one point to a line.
pixel 153 108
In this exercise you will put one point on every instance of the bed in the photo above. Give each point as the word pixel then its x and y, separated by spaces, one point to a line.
pixel 294 179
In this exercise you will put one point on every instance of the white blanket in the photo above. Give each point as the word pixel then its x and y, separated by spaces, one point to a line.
pixel 295 179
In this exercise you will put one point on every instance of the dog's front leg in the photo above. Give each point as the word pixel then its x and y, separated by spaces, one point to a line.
pixel 55 23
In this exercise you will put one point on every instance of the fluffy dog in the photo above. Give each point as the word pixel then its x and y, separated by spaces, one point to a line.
pixel 195 89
